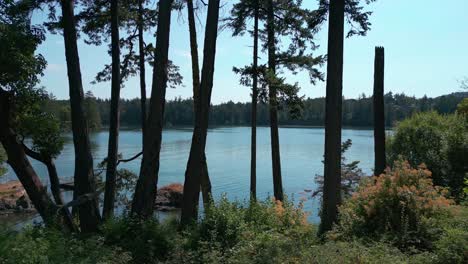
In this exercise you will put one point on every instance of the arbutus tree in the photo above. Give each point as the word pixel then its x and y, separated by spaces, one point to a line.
pixel 145 191
pixel 195 165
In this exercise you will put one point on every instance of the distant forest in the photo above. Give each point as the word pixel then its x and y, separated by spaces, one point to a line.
pixel 179 112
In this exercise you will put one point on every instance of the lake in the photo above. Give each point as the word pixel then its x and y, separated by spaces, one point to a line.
pixel 228 157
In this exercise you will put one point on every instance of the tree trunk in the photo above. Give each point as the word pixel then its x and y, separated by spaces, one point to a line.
pixel 113 146
pixel 84 174
pixel 195 164
pixel 332 171
pixel 275 148
pixel 22 167
pixel 54 186
pixel 145 193
pixel 253 145
pixel 379 114
pixel 141 47
pixel 205 179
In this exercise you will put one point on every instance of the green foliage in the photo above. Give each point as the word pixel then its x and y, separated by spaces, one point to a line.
pixel 401 206
pixel 19 39
pixel 462 107
pixel 438 141
pixel 146 241
pixel 92 113
pixel 351 174
pixel 39 245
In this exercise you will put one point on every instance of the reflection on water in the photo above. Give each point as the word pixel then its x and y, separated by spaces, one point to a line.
pixel 228 157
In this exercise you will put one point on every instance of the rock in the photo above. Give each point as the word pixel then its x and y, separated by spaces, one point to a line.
pixel 169 197
pixel 13 198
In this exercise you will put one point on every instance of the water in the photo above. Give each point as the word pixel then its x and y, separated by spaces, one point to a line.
pixel 228 157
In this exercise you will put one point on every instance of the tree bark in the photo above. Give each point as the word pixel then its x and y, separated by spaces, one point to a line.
pixel 18 160
pixel 275 148
pixel 113 146
pixel 84 174
pixel 195 164
pixel 253 145
pixel 141 47
pixel 145 193
pixel 333 109
pixel 205 179
pixel 379 114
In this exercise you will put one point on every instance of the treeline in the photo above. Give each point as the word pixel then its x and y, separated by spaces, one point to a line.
pixel 179 112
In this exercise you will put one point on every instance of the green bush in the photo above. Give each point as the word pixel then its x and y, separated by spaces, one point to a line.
pixel 401 206
pixel 438 141
pixel 40 245
pixel 146 241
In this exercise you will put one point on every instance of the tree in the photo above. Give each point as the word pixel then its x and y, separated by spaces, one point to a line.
pixel 379 115
pixel 334 93
pixel 285 18
pixel 205 179
pixel 20 112
pixel 145 192
pixel 195 165
pixel 84 174
pixel 113 147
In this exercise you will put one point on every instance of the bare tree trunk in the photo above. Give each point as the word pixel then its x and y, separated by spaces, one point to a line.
pixel 253 145
pixel 84 174
pixel 333 106
pixel 113 146
pixel 275 148
pixel 141 47
pixel 195 164
pixel 205 179
pixel 379 113
pixel 145 193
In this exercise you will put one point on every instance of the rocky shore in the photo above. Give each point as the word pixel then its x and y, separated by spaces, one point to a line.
pixel 14 200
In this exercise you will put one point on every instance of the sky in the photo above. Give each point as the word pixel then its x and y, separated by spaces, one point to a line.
pixel 426 53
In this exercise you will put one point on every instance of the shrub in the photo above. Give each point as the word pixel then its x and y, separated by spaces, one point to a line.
pixel 401 206
pixel 40 245
pixel 146 241
pixel 439 141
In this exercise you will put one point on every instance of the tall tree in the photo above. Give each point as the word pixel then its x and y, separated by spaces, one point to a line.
pixel 141 63
pixel 145 192
pixel 289 20
pixel 84 174
pixel 275 148
pixel 334 92
pixel 253 144
pixel 113 146
pixel 205 179
pixel 195 165
pixel 379 112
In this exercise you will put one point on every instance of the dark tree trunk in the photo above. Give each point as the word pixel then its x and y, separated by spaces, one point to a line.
pixel 205 179
pixel 141 46
pixel 195 163
pixel 113 146
pixel 84 174
pixel 379 114
pixel 145 193
pixel 332 172
pixel 18 160
pixel 54 186
pixel 253 145
pixel 275 148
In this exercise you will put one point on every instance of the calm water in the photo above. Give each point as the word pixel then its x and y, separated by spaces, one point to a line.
pixel 228 156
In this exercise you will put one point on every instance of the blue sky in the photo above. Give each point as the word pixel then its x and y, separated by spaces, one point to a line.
pixel 426 46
